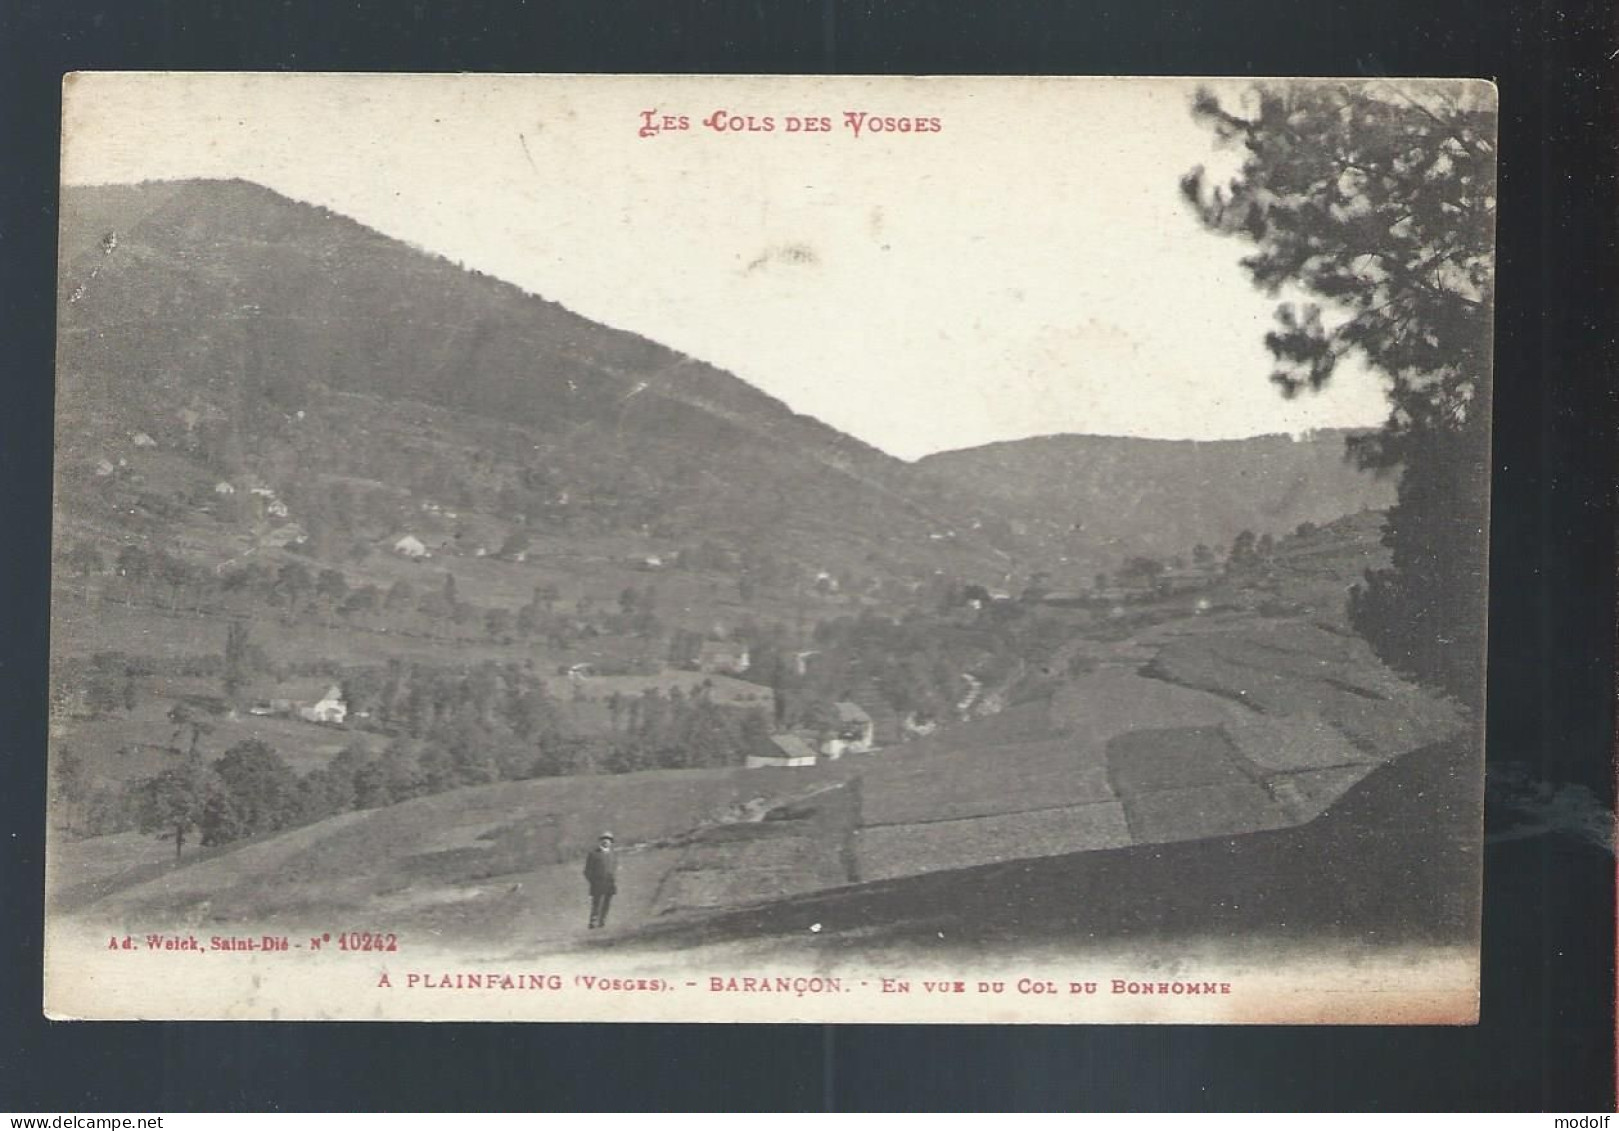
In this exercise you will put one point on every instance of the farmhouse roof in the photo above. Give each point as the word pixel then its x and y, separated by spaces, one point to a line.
pixel 299 689
pixel 793 746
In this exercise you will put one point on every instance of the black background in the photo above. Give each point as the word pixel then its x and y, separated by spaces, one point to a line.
pixel 1546 1041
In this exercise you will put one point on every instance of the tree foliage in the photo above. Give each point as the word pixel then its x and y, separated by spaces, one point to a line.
pixel 174 802
pixel 260 788
pixel 1370 209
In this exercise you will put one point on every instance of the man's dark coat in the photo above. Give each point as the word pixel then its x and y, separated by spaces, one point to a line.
pixel 601 871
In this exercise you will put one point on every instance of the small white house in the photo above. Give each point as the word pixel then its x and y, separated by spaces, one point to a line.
pixel 142 440
pixel 329 709
pixel 853 734
pixel 224 488
pixel 410 546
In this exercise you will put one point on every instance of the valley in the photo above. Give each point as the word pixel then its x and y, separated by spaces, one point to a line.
pixel 381 587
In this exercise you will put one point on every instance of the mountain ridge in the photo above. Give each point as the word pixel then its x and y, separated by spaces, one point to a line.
pixel 237 299
pixel 241 306
pixel 1075 493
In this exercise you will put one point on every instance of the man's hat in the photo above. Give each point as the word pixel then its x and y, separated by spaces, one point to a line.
pixel 605 836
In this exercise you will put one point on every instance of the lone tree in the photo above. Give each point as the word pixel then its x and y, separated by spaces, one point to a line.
pixel 174 801
pixel 1375 203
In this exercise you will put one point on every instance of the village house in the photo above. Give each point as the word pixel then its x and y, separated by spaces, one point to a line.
pixel 854 732
pixel 411 547
pixel 330 708
pixel 142 440
pixel 722 656
pixel 884 719
pixel 311 699
pixel 224 488
pixel 287 534
pixel 783 750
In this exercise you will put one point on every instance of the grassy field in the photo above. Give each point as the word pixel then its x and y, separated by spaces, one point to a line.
pixel 452 862
pixel 105 863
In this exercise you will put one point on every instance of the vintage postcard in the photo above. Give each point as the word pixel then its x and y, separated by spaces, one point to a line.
pixel 770 549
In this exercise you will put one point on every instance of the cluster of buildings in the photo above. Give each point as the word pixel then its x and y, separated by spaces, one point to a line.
pixel 853 733
pixel 329 708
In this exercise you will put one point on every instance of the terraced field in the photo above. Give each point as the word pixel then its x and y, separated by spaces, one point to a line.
pixel 1185 731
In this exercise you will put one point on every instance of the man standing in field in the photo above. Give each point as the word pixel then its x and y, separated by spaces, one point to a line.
pixel 601 873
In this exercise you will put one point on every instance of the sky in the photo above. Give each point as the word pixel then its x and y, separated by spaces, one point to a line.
pixel 1026 268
